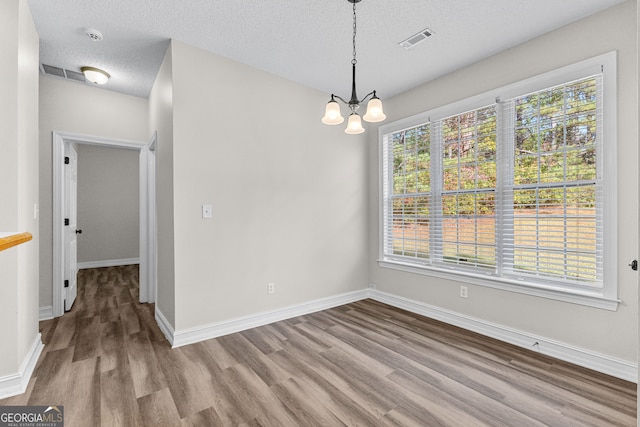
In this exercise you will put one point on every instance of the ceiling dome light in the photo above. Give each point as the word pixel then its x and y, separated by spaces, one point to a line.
pixel 95 75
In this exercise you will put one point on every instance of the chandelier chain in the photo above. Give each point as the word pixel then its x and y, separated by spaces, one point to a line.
pixel 354 61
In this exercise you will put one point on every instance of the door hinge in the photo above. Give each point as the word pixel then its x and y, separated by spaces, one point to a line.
pixel 66 160
pixel 66 221
pixel 66 283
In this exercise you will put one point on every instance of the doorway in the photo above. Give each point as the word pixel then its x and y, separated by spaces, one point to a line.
pixel 61 142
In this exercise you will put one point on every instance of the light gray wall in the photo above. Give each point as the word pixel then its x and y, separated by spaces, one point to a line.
pixel 161 121
pixel 9 35
pixel 108 203
pixel 18 185
pixel 67 106
pixel 289 194
pixel 601 331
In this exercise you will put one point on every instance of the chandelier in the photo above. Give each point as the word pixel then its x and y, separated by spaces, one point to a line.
pixel 332 114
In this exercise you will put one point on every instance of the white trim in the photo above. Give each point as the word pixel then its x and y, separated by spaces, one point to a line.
pixel 165 326
pixel 579 356
pixel 14 384
pixel 551 292
pixel 148 232
pixel 45 313
pixel 99 140
pixel 213 330
pixel 108 263
pixel 57 158
pixel 609 159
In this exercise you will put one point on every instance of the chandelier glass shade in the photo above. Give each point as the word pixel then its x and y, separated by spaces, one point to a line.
pixel 375 113
pixel 354 125
pixel 332 115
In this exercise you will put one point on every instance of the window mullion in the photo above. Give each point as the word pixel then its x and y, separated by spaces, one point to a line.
pixel 436 187
pixel 387 192
pixel 505 156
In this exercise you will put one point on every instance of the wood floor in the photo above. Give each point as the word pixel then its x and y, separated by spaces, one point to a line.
pixel 362 364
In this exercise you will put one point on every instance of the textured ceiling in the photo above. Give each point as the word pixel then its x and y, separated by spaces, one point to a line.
pixel 305 41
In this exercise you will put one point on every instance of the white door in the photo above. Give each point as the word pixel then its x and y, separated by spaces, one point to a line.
pixel 71 225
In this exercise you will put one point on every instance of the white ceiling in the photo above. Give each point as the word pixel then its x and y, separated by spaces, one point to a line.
pixel 305 41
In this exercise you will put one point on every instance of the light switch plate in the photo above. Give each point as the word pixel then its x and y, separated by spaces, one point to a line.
pixel 206 212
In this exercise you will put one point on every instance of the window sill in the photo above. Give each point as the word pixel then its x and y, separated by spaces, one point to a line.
pixel 575 297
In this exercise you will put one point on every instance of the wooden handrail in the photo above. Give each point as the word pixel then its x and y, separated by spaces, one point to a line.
pixel 14 240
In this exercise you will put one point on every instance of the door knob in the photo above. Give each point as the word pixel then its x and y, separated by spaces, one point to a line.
pixel 78 231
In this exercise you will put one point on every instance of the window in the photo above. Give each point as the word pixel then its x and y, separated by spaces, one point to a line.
pixel 466 199
pixel 509 192
pixel 555 191
pixel 409 232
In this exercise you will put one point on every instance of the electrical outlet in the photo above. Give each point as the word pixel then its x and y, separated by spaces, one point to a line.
pixel 463 292
pixel 271 288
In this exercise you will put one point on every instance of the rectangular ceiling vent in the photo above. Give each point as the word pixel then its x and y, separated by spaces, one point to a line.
pixel 74 75
pixel 61 72
pixel 419 37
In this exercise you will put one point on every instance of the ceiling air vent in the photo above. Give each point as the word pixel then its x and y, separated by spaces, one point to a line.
pixel 419 37
pixel 54 71
pixel 61 72
pixel 74 75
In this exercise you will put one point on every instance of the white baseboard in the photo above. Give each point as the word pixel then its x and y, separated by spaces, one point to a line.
pixel 108 263
pixel 46 313
pixel 193 335
pixel 12 385
pixel 164 326
pixel 579 356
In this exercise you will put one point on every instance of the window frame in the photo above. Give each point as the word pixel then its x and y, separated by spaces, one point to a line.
pixel 605 297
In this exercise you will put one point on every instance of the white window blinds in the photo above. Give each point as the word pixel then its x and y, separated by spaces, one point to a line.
pixel 465 203
pixel 408 194
pixel 553 200
pixel 512 190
